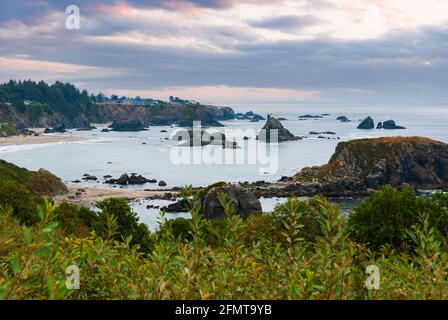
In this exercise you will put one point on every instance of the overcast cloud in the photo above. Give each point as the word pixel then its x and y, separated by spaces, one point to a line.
pixel 228 51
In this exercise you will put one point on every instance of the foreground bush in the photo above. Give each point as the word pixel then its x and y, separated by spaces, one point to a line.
pixel 384 217
pixel 263 257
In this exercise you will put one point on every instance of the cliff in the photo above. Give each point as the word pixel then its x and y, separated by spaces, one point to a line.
pixel 167 114
pixel 359 166
pixel 29 104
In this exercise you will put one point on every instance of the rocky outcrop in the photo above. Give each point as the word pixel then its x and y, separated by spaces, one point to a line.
pixel 125 179
pixel 128 125
pixel 272 127
pixel 249 116
pixel 196 137
pixel 309 116
pixel 60 128
pixel 379 125
pixel 391 125
pixel 360 165
pixel 367 124
pixel 243 202
pixel 343 119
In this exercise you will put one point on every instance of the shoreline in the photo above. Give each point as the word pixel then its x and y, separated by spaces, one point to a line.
pixel 88 195
pixel 41 139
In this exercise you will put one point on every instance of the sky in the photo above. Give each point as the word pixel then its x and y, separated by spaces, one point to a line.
pixel 229 51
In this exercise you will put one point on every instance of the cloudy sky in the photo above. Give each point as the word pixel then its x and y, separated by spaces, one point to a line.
pixel 235 51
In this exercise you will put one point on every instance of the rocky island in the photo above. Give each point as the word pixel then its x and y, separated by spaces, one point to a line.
pixel 359 166
pixel 274 124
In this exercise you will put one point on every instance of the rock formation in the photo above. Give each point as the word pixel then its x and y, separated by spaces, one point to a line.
pixel 128 125
pixel 367 124
pixel 243 202
pixel 343 119
pixel 390 125
pixel 371 163
pixel 282 133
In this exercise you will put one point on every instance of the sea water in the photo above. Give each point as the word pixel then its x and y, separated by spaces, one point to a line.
pixel 148 152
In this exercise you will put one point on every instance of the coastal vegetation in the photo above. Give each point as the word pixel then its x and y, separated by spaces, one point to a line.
pixel 29 104
pixel 304 249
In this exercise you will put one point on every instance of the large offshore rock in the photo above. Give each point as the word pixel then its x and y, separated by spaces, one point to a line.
pixel 367 124
pixel 391 125
pixel 370 163
pixel 268 131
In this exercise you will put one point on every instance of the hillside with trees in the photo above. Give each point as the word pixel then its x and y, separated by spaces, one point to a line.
pixel 25 104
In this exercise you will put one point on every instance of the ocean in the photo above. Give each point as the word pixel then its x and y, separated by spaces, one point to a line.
pixel 148 152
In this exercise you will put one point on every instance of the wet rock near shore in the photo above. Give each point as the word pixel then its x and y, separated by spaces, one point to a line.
pixel 60 128
pixel 128 125
pixel 133 179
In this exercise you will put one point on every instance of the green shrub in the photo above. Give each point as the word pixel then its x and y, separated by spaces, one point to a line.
pixel 76 220
pixel 20 199
pixel 383 217
pixel 116 214
pixel 437 208
pixel 307 213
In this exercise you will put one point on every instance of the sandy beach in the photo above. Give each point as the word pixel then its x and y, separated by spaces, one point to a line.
pixel 87 196
pixel 22 140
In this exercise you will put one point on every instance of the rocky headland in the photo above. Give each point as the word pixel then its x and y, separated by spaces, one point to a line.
pixel 359 167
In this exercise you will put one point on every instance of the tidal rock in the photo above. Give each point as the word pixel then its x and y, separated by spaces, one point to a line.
pixel 367 124
pixel 60 128
pixel 379 125
pixel 194 137
pixel 310 116
pixel 124 178
pixel 91 178
pixel 128 125
pixel 325 132
pixel 249 116
pixel 162 183
pixel 272 124
pixel 390 125
pixel 343 119
pixel 134 179
pixel 243 202
pixel 105 130
pixel 178 206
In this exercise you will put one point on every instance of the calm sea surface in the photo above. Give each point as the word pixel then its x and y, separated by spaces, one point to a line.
pixel 149 154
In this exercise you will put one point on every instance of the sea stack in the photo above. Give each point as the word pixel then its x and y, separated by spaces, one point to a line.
pixel 367 124
pixel 282 133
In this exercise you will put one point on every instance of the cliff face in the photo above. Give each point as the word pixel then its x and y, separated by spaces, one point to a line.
pixel 359 166
pixel 370 163
pixel 167 114
pixel 163 114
